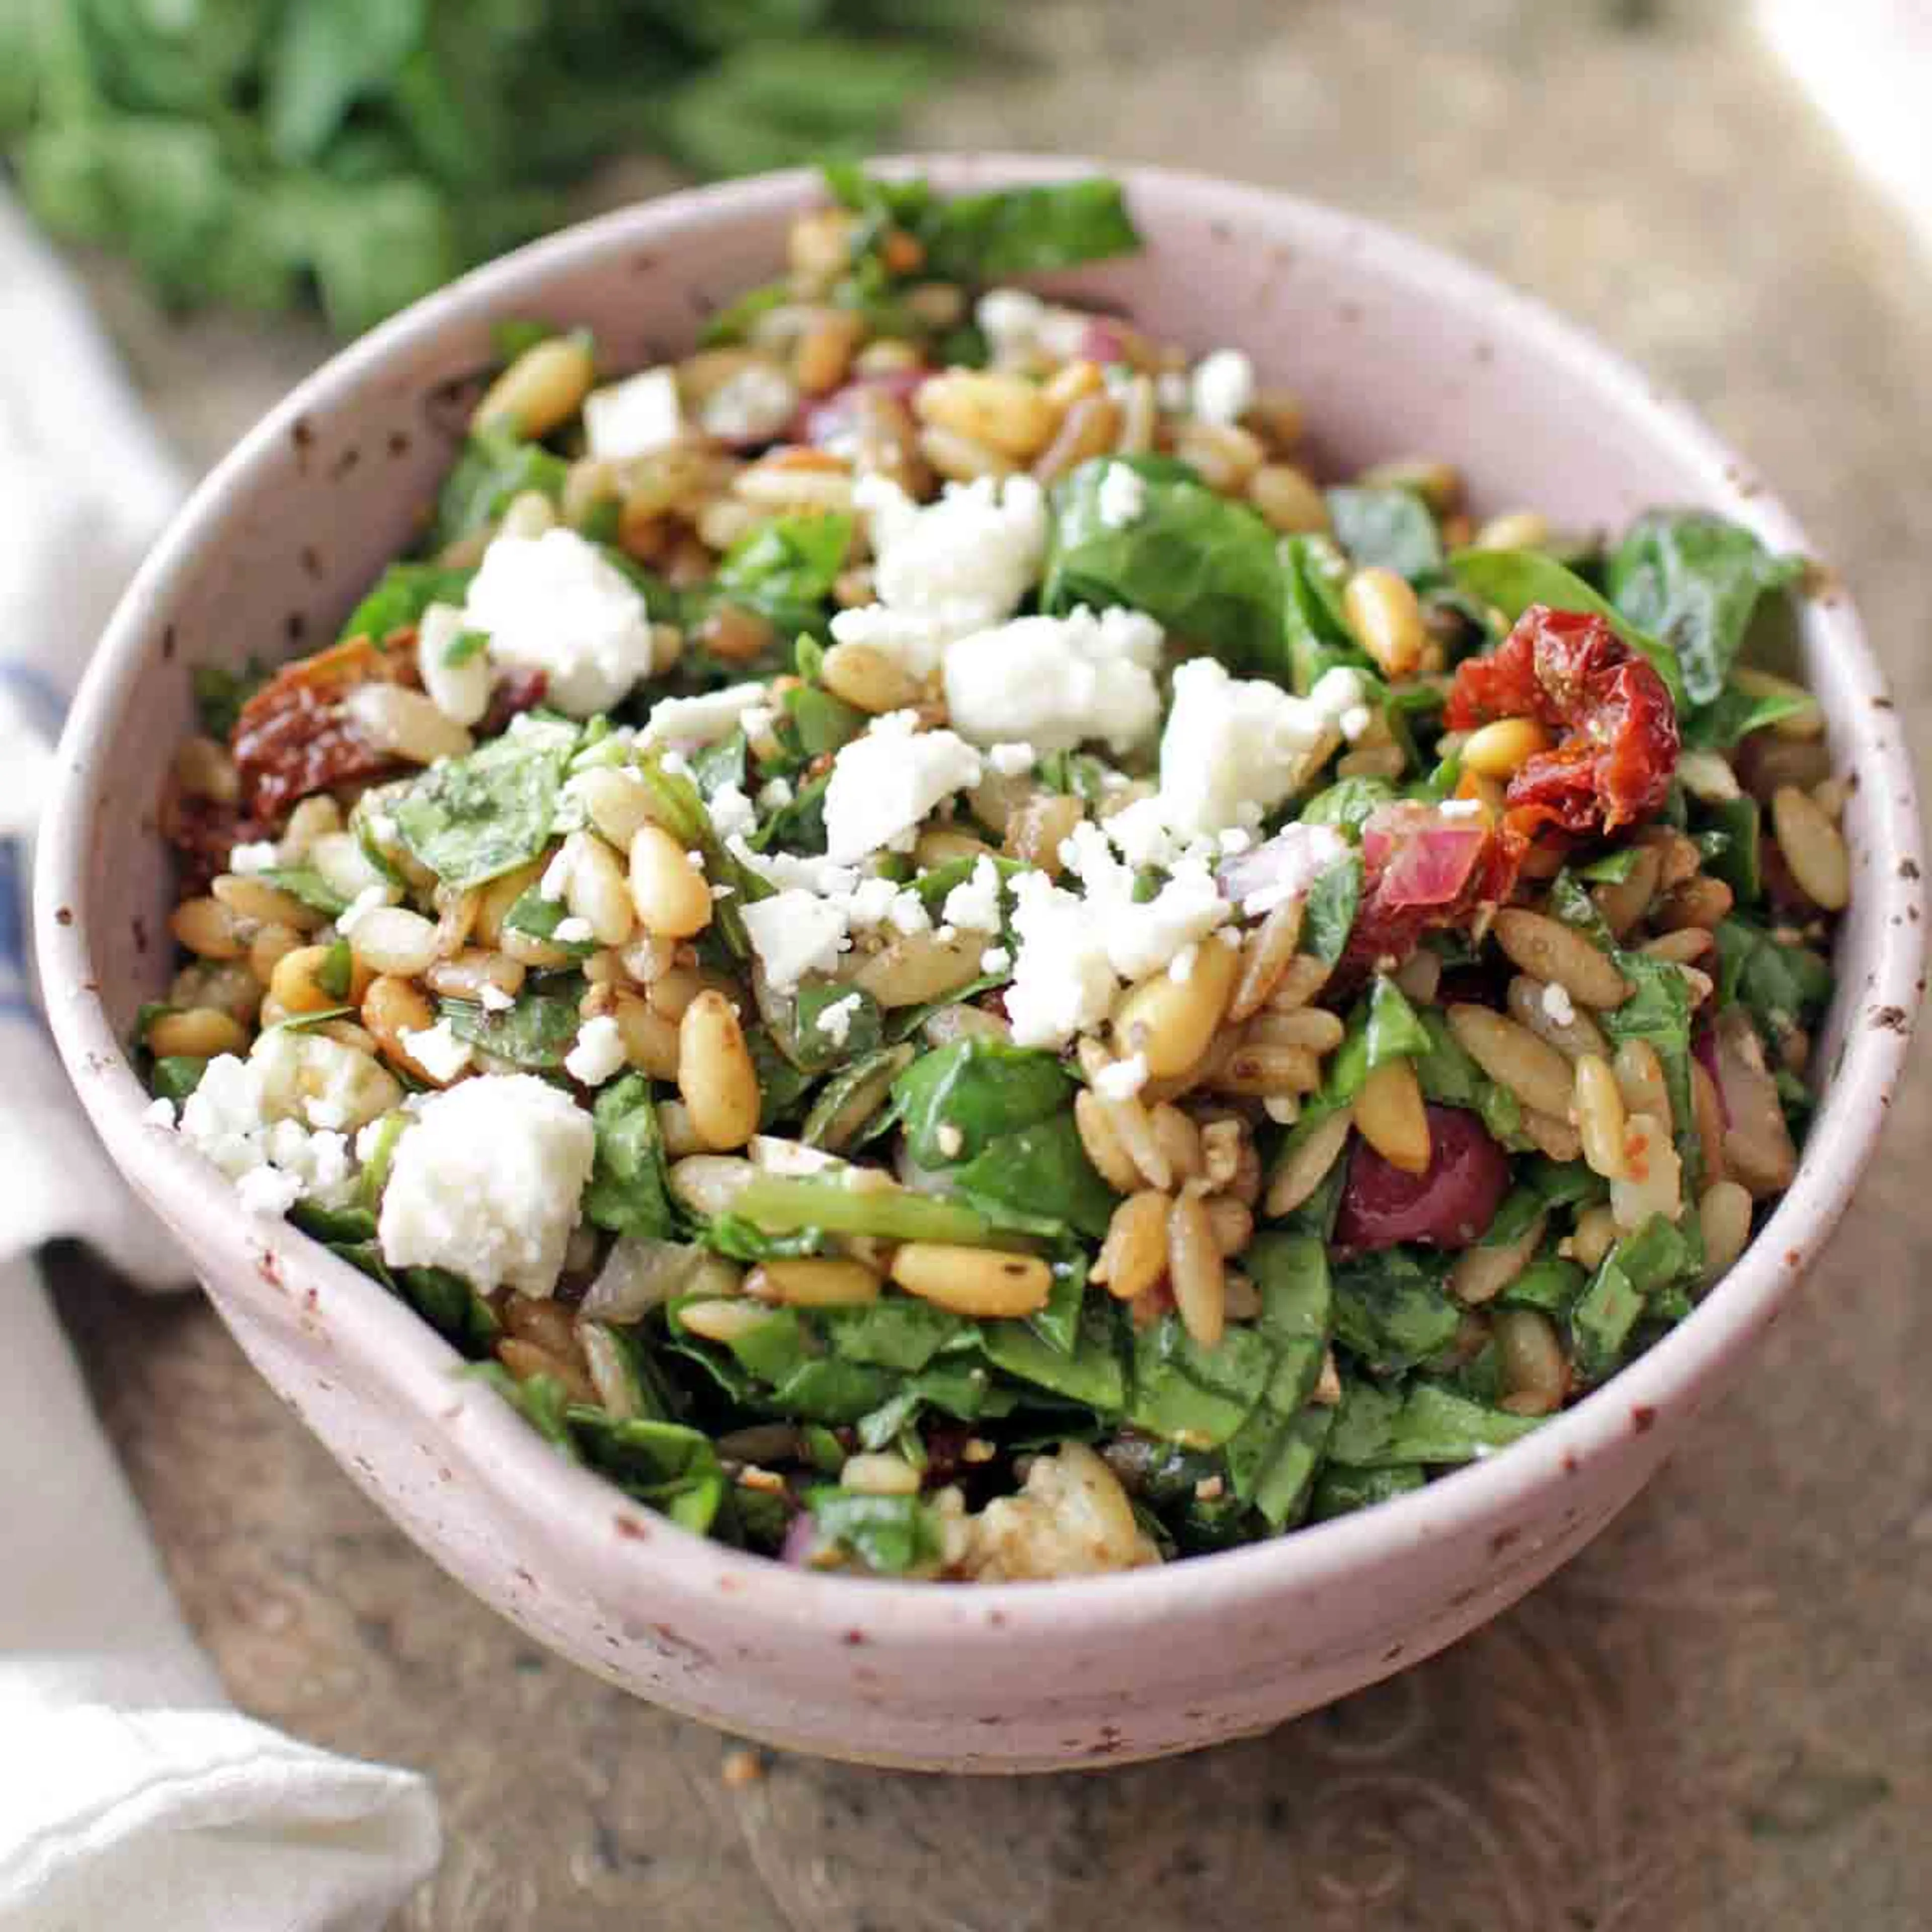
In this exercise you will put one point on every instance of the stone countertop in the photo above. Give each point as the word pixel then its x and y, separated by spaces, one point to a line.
pixel 1719 1715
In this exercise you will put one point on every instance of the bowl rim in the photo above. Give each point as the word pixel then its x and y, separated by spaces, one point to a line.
pixel 405 1356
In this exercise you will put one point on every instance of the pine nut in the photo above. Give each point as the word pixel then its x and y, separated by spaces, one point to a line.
pixel 941 844
pixel 1170 1021
pixel 1707 1109
pixel 1480 1274
pixel 650 1041
pixel 1226 455
pixel 1579 1034
pixel 1599 1117
pixel 814 1283
pixel 1623 901
pixel 1288 498
pixel 391 1008
pixel 456 919
pixel 715 1074
pixel 1547 949
pixel 598 892
pixel 1708 776
pixel 1305 977
pixel 1595 1235
pixel 200 1033
pixel 879 1475
pixel 1724 1218
pixel 1501 750
pixel 1194 1270
pixel 545 387
pixel 706 1183
pixel 672 992
pixel 1512 1056
pixel 392 939
pixel 1383 613
pixel 735 633
pixel 725 1321
pixel 983 1282
pixel 1439 484
pixel 1133 1257
pixel 1178 1139
pixel 203 768
pixel 1691 942
pixel 867 678
pixel 1102 1143
pixel 1640 1081
pixel 256 900
pixel 208 929
pixel 1515 529
pixel 1036 828
pixel 1700 902
pixel 1314 1029
pixel 669 893
pixel 825 350
pixel 1388 1114
pixel 1007 412
pixel 819 245
pixel 395 719
pixel 1265 956
pixel 1307 1165
pixel 1420 975
pixel 961 459
pixel 465 976
pixel 1089 428
pixel 294 986
pixel 615 801
pixel 271 945
pixel 1263 1071
pixel 1534 1368
pixel 1551 1136
pixel 1813 848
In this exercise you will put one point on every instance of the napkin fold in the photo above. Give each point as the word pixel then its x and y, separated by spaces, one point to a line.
pixel 132 1796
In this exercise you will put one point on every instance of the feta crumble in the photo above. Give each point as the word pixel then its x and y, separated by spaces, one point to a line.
pixel 159 1112
pixel 752 406
pixel 775 794
pixel 1057 681
pixel 835 1022
pixel 438 1052
pixel 262 855
pixel 1234 749
pixel 599 1054
pixel 574 930
pixel 370 898
pixel 884 783
pixel 556 603
pixel 1223 389
pixel 633 417
pixel 460 691
pixel 1461 807
pixel 487 1183
pixel 975 902
pixel 1558 1004
pixel 492 999
pixel 733 814
pixel 1123 495
pixel 795 932
pixel 1012 761
pixel 995 960
pixel 689 722
pixel 1123 1079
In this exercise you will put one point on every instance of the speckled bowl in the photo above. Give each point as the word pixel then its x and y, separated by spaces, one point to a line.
pixel 1396 349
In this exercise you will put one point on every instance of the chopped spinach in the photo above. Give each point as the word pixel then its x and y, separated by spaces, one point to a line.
pixel 534 1032
pixel 1391 529
pixel 953 1102
pixel 889 1535
pixel 1329 917
pixel 628 1192
pixel 483 814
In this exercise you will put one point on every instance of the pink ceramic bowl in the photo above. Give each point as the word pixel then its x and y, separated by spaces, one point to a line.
pixel 1396 350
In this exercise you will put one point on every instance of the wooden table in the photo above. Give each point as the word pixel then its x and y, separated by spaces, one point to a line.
pixel 1720 1715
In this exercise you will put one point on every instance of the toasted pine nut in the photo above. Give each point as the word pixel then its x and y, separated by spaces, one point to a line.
pixel 1304 977
pixel 813 1282
pixel 650 1040
pixel 1534 1368
pixel 866 678
pixel 706 1183
pixel 1178 1139
pixel 1170 1020
pixel 1263 1070
pixel 984 1282
pixel 391 1008
pixel 1383 613
pixel 1480 1274
pixel 960 459
pixel 1500 750
pixel 1599 1117
pixel 1511 1055
pixel 269 946
pixel 669 893
pixel 1098 1136
pixel 1265 956
pixel 199 1034
pixel 1388 1112
pixel 1547 949
pixel 1554 1137
pixel 208 929
pixel 203 768
pixel 294 985
pixel 1036 828
pixel 715 1074
pixel 1133 1256
pixel 1579 1034
pixel 394 718
pixel 544 386
pixel 1439 484
pixel 1307 1165
pixel 1708 1110
pixel 725 1321
pixel 1289 499
pixel 465 976
pixel 879 1475
pixel 1594 1236
pixel 1699 902
pixel 256 899
pixel 1005 412
pixel 615 801
pixel 1089 428
pixel 825 350
pixel 1226 455
pixel 673 991
pixel 1232 1221
pixel 917 966
pixel 392 939
pixel 1724 1217
pixel 1195 1270
pixel 1689 943
pixel 1623 901
pixel 1813 848
pixel 1515 529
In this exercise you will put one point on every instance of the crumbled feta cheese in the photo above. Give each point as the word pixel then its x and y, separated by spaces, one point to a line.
pixel 1233 749
pixel 574 930
pixel 975 902
pixel 752 405
pixel 1024 332
pixel 952 1142
pixel 309 1076
pixel 633 417
pixel 1123 1079
pixel 1355 721
pixel 1461 807
pixel 1010 761
pixel 460 691
pixel 733 814
pixel 758 720
pixel 835 1022
pixel 492 999
pixel 1123 495
pixel 370 898
pixel 268 1191
pixel 598 1055
pixel 691 722
pixel 438 1052
pixel 906 914
pixel 1558 1004
pixel 262 855
pixel 775 794
pixel 793 933
pixel 487 1182
pixel 884 783
pixel 159 1112
pixel 1223 387
pixel 945 569
pixel 555 603
pixel 1057 682
pixel 996 959
pixel 1063 982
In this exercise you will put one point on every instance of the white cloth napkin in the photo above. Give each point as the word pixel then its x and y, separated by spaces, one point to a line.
pixel 133 1797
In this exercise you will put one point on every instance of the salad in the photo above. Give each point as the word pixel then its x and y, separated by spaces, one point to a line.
pixel 941 964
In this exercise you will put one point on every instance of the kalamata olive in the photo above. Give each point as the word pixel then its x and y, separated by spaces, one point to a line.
pixel 835 416
pixel 1448 1207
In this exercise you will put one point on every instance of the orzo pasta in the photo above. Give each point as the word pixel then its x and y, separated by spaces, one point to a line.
pixel 942 964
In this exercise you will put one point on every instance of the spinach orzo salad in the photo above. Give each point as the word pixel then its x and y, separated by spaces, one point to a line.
pixel 940 963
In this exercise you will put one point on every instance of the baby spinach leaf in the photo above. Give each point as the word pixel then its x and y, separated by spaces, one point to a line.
pixel 889 1534
pixel 809 1047
pixel 1782 985
pixel 898 1331
pixel 1551 1283
pixel 1437 1427
pixel 497 467
pixel 849 1108
pixel 628 1192
pixel 1202 564
pixel 1347 804
pixel 1329 917
pixel 535 1033
pixel 1449 1075
pixel 336 973
pixel 1089 1372
pixel 542 1401
pixel 1392 1310
pixel 451 1307
pixel 1315 636
pixel 1272 1463
pixel 483 814
pixel 1393 1031
pixel 1391 529
pixel 176 1075
pixel 220 693
pixel 1199 1396
pixel 1513 580
pixel 665 1464
pixel 1736 861
pixel 1645 1264
pixel 1341 1492
pixel 780 1204
pixel 537 917
pixel 1023 231
pixel 308 885
pixel 1040 1173
pixel 955 1101
pixel 1734 714
pixel 1694 580
pixel 792 559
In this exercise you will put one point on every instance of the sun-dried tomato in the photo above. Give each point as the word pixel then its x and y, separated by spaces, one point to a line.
pixel 1617 745
pixel 293 737
pixel 204 831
